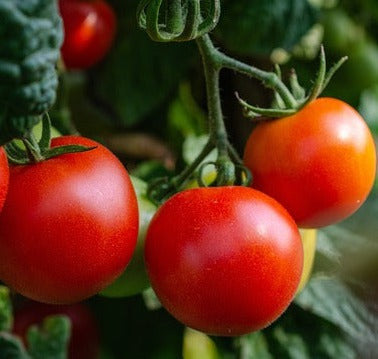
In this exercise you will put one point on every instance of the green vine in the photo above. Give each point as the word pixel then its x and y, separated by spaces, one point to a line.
pixel 288 99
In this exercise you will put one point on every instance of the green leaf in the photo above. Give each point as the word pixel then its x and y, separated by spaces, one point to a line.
pixel 256 27
pixel 254 345
pixel 139 75
pixel 336 347
pixel 50 341
pixel 350 250
pixel 369 107
pixel 11 347
pixel 6 318
pixel 185 117
pixel 349 253
pixel 150 170
pixel 292 345
pixel 332 300
pixel 192 147
pixel 299 334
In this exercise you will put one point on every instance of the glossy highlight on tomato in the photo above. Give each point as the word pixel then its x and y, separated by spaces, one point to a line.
pixel 84 341
pixel 89 28
pixel 69 224
pixel 4 177
pixel 320 163
pixel 224 260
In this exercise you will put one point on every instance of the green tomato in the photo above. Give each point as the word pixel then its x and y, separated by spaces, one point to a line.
pixel 134 279
pixel 198 345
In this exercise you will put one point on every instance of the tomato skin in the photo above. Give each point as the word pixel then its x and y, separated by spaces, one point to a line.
pixel 320 163
pixel 225 261
pixel 84 342
pixel 4 177
pixel 89 28
pixel 69 225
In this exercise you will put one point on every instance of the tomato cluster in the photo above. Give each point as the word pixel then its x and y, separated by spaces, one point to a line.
pixel 229 260
pixel 224 260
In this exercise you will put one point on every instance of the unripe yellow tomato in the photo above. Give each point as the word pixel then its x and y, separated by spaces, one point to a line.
pixel 309 247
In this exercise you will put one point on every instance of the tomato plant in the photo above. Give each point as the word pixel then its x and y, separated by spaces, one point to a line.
pixel 84 340
pixel 224 260
pixel 4 177
pixel 134 279
pixel 69 224
pixel 320 163
pixel 89 28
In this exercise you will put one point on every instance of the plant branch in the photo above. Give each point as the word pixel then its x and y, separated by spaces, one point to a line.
pixel 269 79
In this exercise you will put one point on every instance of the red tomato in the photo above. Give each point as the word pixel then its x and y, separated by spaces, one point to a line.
pixel 320 163
pixel 84 340
pixel 89 27
pixel 4 177
pixel 225 261
pixel 69 225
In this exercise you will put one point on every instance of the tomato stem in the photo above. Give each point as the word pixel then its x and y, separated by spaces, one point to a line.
pixel 188 171
pixel 177 20
pixel 269 79
pixel 33 150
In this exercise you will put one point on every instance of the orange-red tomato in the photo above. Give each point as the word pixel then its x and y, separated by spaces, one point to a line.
pixel 224 260
pixel 320 163
pixel 69 225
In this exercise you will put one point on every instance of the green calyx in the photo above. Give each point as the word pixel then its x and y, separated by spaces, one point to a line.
pixel 178 20
pixel 282 108
pixel 37 151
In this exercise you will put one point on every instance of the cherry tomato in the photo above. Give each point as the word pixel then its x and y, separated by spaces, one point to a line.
pixel 89 28
pixel 225 261
pixel 69 224
pixel 134 279
pixel 84 340
pixel 320 163
pixel 4 177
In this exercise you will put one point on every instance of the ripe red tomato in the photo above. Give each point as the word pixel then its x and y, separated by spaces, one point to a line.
pixel 4 177
pixel 225 261
pixel 69 224
pixel 89 28
pixel 85 337
pixel 320 163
